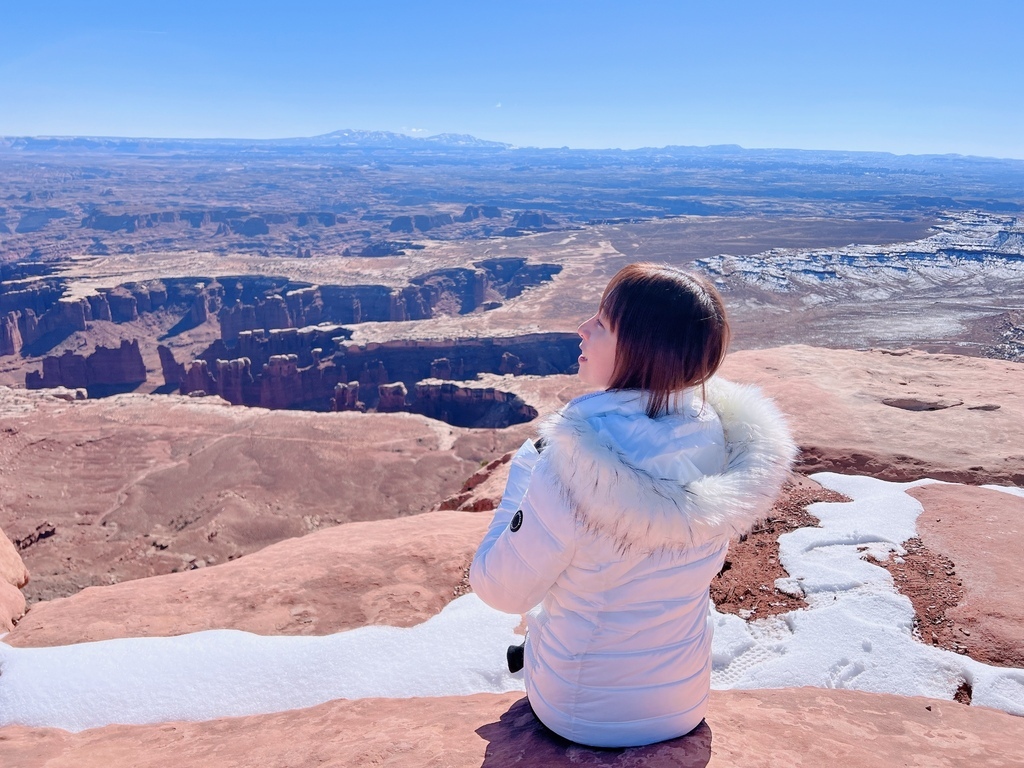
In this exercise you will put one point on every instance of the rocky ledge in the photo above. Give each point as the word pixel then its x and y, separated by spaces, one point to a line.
pixel 799 727
pixel 893 416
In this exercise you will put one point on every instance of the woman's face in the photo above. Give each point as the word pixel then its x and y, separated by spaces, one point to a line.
pixel 597 361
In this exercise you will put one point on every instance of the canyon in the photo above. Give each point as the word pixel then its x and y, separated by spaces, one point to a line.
pixel 274 387
pixel 169 551
pixel 283 344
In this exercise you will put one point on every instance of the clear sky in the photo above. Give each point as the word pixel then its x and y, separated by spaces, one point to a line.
pixel 903 76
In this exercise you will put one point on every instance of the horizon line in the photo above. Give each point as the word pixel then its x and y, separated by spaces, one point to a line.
pixel 503 144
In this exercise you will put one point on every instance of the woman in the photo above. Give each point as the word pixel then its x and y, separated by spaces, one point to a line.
pixel 618 525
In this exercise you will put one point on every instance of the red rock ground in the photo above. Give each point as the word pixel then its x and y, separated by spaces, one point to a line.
pixel 396 572
pixel 977 536
pixel 99 492
pixel 746 584
pixel 896 415
pixel 402 571
pixel 801 727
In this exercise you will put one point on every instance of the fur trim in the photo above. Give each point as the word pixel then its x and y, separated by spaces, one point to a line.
pixel 610 495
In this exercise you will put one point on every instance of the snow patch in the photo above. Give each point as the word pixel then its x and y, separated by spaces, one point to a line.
pixel 225 673
pixel 857 633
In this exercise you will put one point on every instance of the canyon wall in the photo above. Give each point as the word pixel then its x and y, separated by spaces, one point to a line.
pixel 446 291
pixel 103 372
pixel 312 369
pixel 36 315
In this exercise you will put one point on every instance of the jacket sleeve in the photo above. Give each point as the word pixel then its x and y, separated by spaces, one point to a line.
pixel 530 540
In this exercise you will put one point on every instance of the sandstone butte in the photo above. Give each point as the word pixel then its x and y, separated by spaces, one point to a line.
pixel 852 411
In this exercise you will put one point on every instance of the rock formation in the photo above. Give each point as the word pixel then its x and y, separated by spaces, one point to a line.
pixel 60 318
pixel 36 314
pixel 412 360
pixel 12 568
pixel 232 219
pixel 536 220
pixel 421 222
pixel 262 304
pixel 265 314
pixel 474 212
pixel 39 314
pixel 281 383
pixel 391 397
pixel 10 334
pixel 346 397
pixel 510 364
pixel 234 379
pixel 317 377
pixel 124 305
pixel 100 307
pixel 13 576
pixel 301 368
pixel 198 379
pixel 68 395
pixel 441 368
pixel 103 369
pixel 469 406
pixel 373 375
pixel 173 371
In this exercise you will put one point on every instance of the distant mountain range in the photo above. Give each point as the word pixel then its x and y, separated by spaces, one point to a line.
pixel 837 171
pixel 352 138
pixel 349 139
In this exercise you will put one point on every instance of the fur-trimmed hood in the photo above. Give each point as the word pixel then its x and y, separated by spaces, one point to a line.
pixel 615 491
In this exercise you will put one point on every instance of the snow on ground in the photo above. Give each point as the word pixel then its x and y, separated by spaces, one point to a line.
pixel 225 672
pixel 857 633
pixel 968 250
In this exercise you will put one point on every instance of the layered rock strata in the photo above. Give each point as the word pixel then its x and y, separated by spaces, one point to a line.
pixel 37 313
pixel 314 362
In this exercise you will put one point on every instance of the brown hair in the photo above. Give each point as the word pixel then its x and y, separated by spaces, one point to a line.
pixel 670 327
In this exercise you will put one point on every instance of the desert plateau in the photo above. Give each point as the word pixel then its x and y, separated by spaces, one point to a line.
pixel 258 400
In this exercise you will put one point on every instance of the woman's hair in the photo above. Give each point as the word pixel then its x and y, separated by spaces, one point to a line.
pixel 670 328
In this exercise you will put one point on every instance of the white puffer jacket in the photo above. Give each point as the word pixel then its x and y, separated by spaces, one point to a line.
pixel 616 529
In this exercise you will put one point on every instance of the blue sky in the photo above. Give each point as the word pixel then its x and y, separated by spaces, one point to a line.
pixel 898 76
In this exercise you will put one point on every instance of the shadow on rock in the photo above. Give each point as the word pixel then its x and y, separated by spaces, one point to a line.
pixel 46 342
pixel 519 738
pixel 187 323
